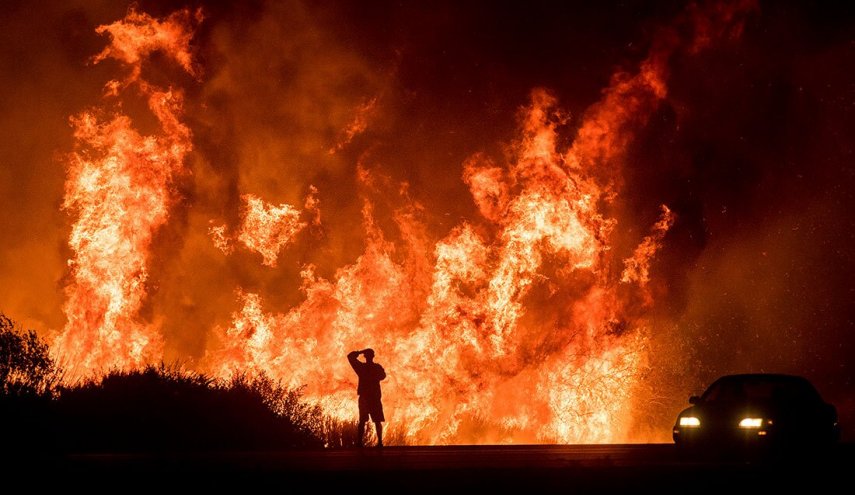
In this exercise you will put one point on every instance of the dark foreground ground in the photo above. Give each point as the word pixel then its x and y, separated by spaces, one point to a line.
pixel 456 469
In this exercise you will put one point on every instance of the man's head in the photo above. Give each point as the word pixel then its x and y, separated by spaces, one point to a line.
pixel 369 354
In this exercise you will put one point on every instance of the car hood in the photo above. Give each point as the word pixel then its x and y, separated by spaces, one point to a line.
pixel 755 407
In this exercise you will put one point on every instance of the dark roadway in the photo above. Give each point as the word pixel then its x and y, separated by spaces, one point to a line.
pixel 451 469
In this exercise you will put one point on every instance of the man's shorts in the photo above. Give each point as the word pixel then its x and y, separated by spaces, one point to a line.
pixel 370 407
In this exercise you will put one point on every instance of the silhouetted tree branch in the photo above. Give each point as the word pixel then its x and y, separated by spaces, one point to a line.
pixel 26 368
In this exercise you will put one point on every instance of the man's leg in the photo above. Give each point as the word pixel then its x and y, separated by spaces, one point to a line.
pixel 379 429
pixel 360 432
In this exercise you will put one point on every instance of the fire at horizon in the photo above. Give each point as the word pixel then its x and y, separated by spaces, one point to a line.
pixel 530 319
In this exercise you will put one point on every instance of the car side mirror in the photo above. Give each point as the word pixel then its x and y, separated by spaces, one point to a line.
pixel 694 399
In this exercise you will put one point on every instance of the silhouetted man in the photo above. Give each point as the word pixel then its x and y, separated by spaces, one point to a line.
pixel 370 374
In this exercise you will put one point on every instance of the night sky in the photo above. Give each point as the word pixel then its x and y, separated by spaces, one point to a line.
pixel 753 149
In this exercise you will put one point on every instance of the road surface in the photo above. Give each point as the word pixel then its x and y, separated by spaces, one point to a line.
pixel 601 469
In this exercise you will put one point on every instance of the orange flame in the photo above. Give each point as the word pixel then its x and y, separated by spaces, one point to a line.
pixel 119 186
pixel 138 35
pixel 637 267
pixel 357 125
pixel 265 228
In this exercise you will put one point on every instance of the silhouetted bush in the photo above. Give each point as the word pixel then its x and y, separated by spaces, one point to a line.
pixel 158 408
pixel 26 368
pixel 337 433
pixel 166 409
pixel 28 376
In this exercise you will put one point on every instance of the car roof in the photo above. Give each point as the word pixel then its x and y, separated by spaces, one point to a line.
pixel 764 381
pixel 779 378
pixel 763 376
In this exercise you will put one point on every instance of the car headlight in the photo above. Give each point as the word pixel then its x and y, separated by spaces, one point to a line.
pixel 751 423
pixel 690 421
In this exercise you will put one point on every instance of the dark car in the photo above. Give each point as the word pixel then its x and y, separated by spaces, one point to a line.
pixel 757 410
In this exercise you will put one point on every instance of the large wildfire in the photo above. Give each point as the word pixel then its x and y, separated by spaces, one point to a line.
pixel 527 321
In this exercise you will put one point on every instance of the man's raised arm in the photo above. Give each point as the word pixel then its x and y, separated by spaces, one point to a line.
pixel 351 357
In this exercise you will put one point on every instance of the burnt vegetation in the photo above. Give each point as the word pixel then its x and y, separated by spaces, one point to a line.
pixel 158 408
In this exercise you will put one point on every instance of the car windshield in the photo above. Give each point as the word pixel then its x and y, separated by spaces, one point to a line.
pixel 753 388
